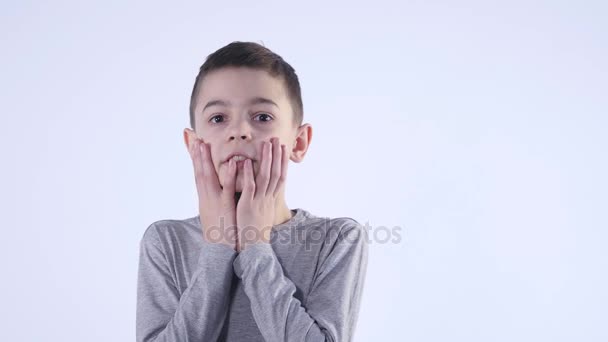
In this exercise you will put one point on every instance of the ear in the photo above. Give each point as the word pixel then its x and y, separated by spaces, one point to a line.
pixel 300 145
pixel 189 137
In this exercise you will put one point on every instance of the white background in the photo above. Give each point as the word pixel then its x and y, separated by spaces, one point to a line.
pixel 478 127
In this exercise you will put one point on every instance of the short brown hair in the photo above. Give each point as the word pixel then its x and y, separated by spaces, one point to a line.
pixel 256 56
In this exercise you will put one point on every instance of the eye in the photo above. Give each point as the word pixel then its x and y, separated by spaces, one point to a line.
pixel 219 116
pixel 265 117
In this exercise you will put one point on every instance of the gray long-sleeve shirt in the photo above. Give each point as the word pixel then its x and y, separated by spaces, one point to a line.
pixel 305 285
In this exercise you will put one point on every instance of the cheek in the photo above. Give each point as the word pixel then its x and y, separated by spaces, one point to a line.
pixel 215 156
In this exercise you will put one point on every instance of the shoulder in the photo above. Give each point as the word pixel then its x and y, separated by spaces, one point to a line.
pixel 350 231
pixel 345 242
pixel 338 229
pixel 169 231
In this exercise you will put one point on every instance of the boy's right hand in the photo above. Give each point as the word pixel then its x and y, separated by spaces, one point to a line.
pixel 217 206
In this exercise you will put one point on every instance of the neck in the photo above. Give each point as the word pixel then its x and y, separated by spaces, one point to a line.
pixel 281 210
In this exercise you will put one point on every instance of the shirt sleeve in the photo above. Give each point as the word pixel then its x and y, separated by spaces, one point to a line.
pixel 198 314
pixel 332 305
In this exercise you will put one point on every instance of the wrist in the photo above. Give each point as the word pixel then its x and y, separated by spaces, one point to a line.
pixel 251 235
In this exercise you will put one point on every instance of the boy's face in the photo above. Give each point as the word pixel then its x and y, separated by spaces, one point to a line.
pixel 237 109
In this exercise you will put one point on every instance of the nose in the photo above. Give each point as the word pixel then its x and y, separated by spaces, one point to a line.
pixel 240 130
pixel 243 137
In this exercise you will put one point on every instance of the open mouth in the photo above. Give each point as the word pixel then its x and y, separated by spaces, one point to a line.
pixel 240 160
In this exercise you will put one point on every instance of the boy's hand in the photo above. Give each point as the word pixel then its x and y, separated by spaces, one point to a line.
pixel 256 206
pixel 217 206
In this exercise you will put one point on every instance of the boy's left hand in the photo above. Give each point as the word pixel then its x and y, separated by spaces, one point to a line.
pixel 256 206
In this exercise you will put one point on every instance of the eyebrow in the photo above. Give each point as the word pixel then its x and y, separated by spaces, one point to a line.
pixel 253 101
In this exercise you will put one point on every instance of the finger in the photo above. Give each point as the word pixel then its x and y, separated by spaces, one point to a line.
pixel 197 163
pixel 248 182
pixel 275 172
pixel 229 181
pixel 283 177
pixel 209 174
pixel 263 176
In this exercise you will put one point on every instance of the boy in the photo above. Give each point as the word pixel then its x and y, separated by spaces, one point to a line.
pixel 248 268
